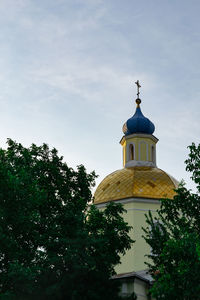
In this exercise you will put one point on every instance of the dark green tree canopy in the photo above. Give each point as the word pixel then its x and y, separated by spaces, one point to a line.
pixel 174 237
pixel 53 244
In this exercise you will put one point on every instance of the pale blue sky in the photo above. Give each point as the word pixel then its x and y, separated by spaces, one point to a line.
pixel 68 69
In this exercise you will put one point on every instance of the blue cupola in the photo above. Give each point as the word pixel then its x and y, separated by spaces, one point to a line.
pixel 138 123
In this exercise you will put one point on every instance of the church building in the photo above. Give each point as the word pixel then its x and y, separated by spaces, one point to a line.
pixel 139 186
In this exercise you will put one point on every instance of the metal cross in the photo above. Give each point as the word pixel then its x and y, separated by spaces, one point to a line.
pixel 138 87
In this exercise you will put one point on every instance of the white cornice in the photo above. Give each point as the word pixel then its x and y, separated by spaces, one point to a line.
pixel 130 200
pixel 138 135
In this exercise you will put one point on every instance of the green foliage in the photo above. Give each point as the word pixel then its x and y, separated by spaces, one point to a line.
pixel 53 245
pixel 174 237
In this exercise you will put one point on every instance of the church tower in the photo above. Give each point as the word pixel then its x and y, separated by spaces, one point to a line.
pixel 139 186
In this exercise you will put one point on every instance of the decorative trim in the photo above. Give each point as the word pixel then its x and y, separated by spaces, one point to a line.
pixel 129 200
pixel 141 209
pixel 147 149
pixel 139 163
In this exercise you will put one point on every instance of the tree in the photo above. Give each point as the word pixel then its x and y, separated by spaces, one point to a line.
pixel 53 243
pixel 174 237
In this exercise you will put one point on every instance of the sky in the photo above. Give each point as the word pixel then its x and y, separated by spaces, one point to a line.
pixel 68 69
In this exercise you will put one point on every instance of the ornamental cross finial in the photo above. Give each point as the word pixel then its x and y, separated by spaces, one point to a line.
pixel 138 88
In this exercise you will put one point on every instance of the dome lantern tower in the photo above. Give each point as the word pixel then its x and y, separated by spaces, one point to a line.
pixel 139 145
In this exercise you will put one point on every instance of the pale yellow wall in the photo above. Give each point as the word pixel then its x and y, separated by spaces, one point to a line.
pixel 143 151
pixel 134 258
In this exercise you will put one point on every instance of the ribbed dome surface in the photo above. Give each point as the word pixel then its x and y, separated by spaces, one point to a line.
pixel 137 182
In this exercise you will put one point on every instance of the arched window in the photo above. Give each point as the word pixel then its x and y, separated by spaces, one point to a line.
pixel 131 152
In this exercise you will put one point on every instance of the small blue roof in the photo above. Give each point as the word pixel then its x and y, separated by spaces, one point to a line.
pixel 138 123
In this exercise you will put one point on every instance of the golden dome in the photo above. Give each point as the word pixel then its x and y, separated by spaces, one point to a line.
pixel 137 182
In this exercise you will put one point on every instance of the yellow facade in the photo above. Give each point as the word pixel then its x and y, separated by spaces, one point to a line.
pixel 143 147
pixel 134 259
